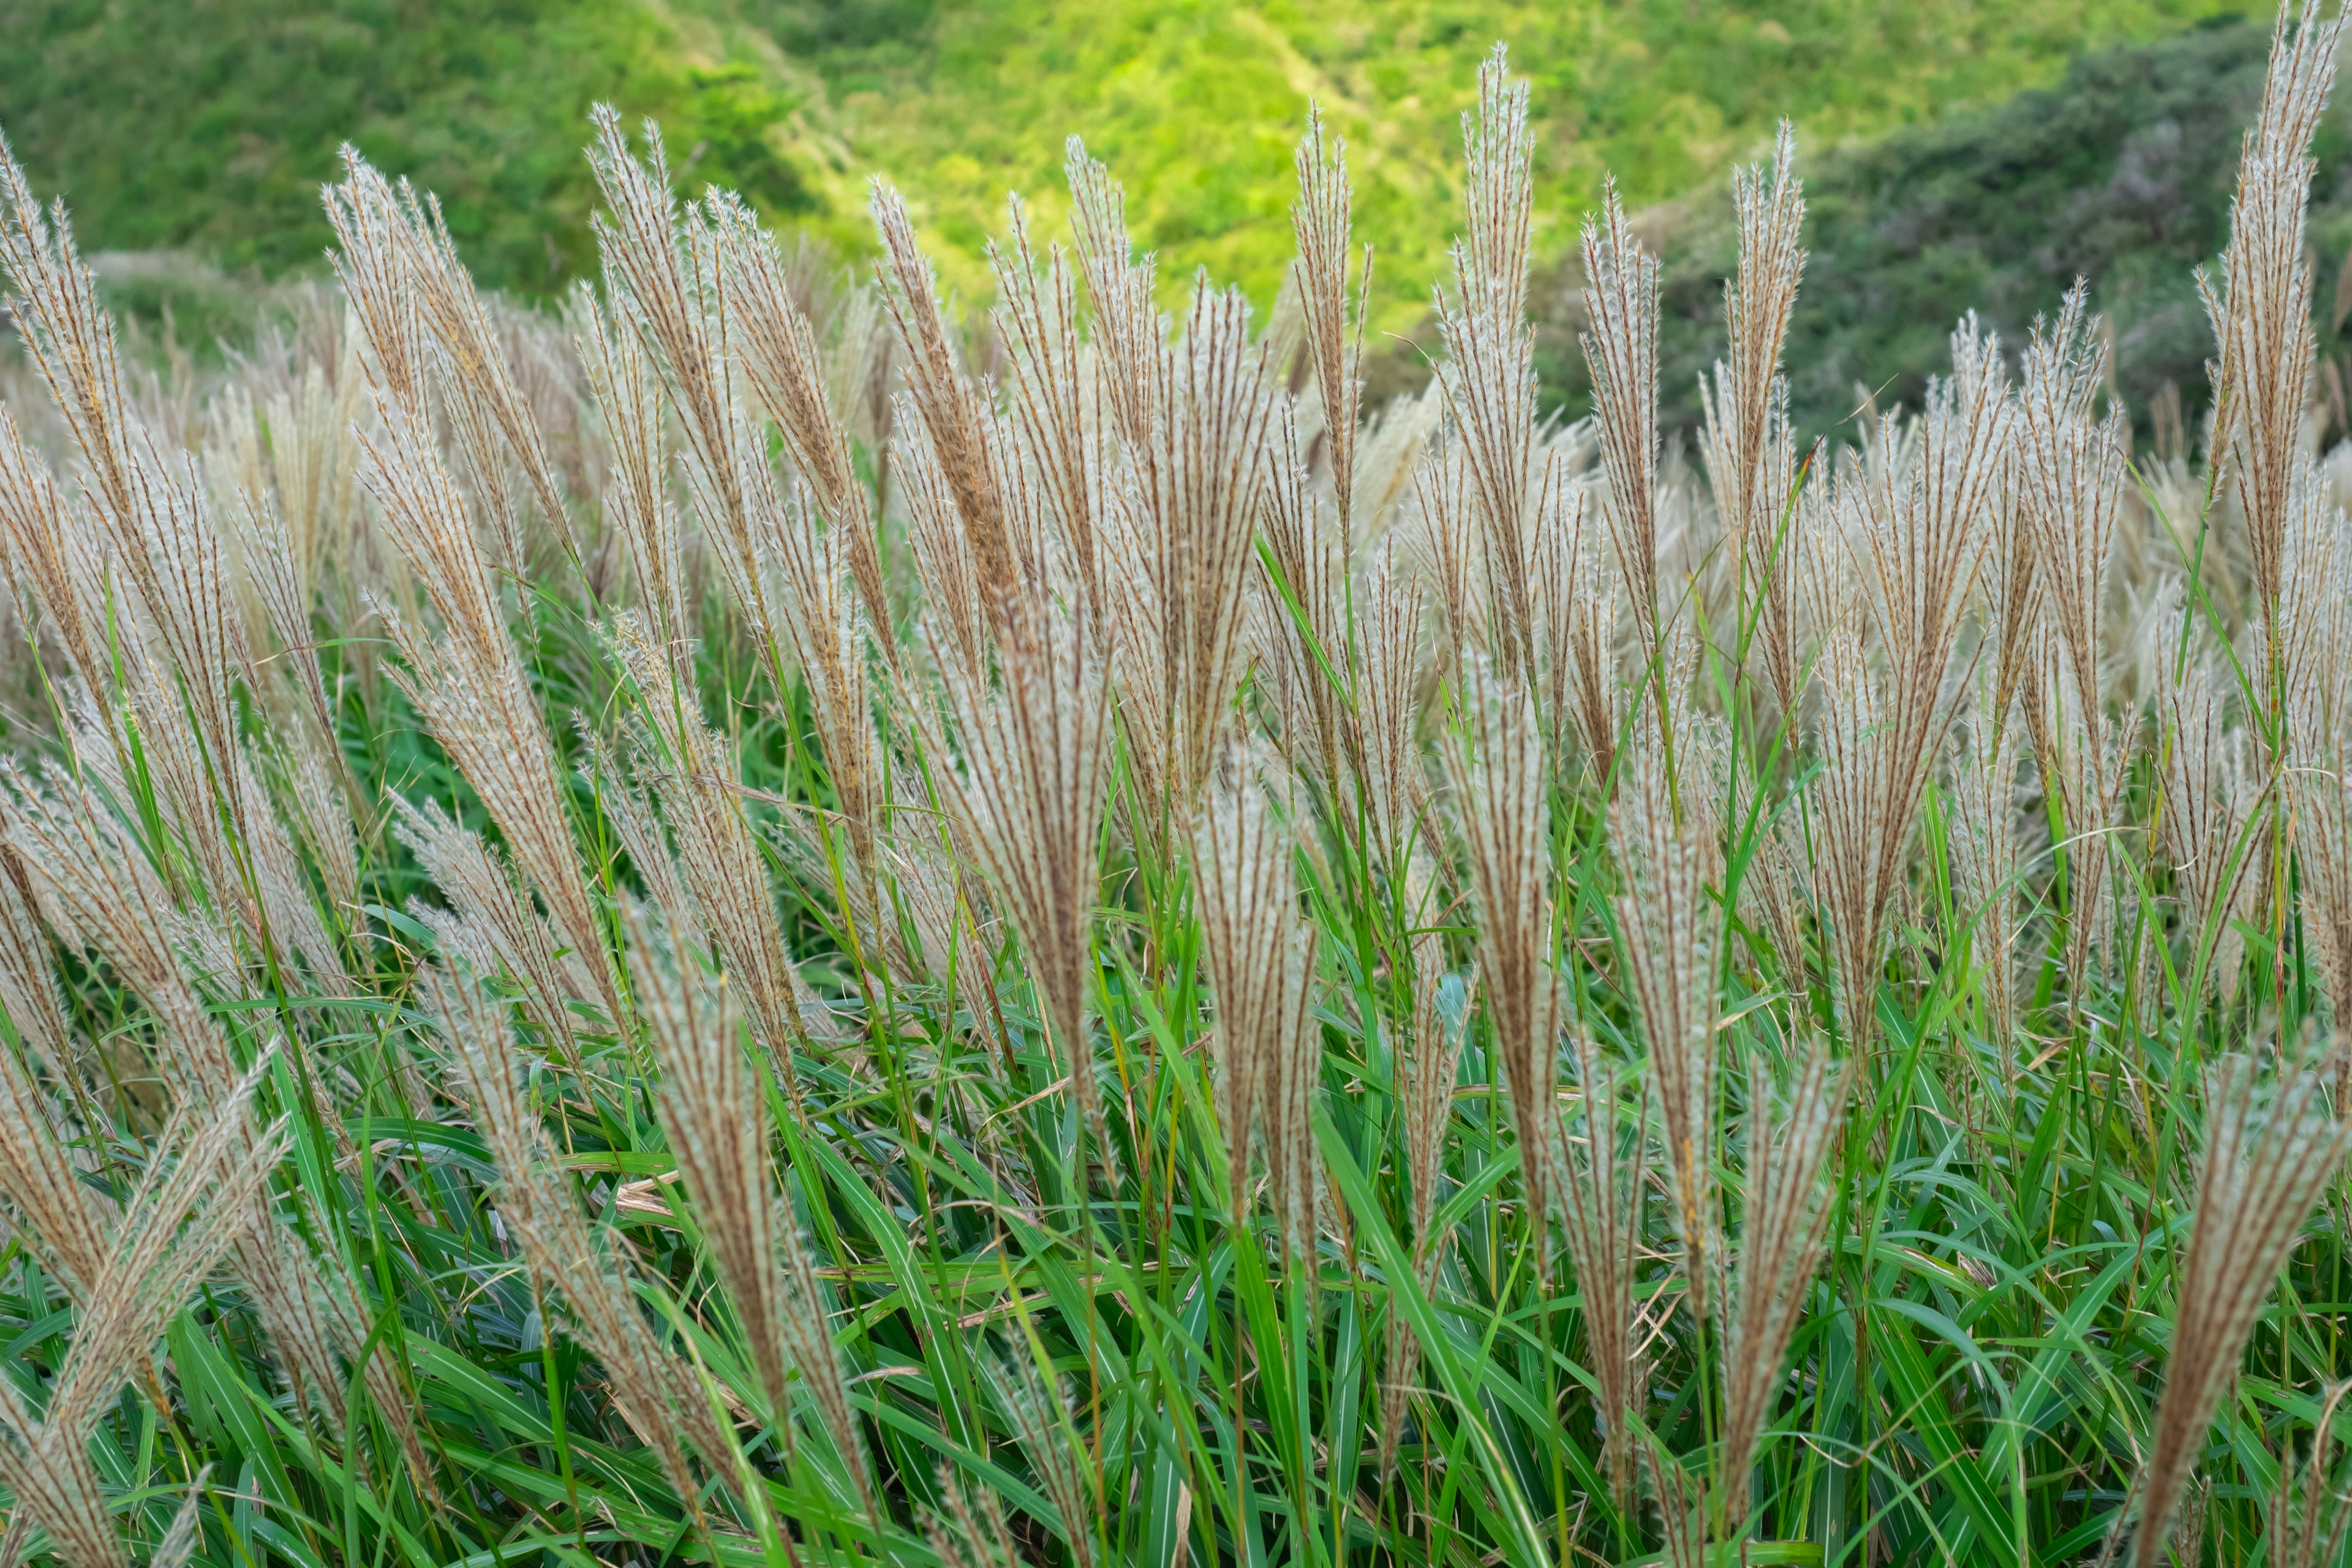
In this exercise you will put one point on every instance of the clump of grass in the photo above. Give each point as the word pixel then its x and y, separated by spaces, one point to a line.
pixel 614 946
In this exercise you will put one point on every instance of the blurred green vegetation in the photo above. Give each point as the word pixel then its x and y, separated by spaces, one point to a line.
pixel 2120 173
pixel 205 125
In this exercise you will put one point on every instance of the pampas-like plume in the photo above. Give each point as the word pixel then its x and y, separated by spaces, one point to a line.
pixel 1671 932
pixel 1601 1205
pixel 1391 615
pixel 1191 495
pixel 2266 1158
pixel 1498 791
pixel 1310 628
pixel 1780 1239
pixel 1029 801
pixel 2210 798
pixel 1746 403
pixel 470 687
pixel 1983 844
pixel 490 920
pixel 1319 224
pixel 1041 1421
pixel 1261 962
pixel 2261 310
pixel 1489 372
pixel 714 1111
pixel 1621 297
pixel 199 1195
pixel 657 1392
pixel 966 439
pixel 779 350
pixel 621 378
pixel 1057 397
pixel 1425 1082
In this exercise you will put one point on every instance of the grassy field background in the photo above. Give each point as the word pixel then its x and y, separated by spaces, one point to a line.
pixel 1960 157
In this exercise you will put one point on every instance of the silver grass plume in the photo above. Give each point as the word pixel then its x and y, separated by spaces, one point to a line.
pixel 1391 615
pixel 636 498
pixel 1983 844
pixel 664 280
pixel 1781 1234
pixel 2267 1157
pixel 1193 493
pixel 207 1175
pixel 2210 796
pixel 724 880
pixel 822 620
pixel 2261 311
pixel 1319 224
pixel 1746 404
pixel 1601 1205
pixel 714 1113
pixel 2308 1518
pixel 966 439
pixel 1671 929
pixel 1447 545
pixel 779 350
pixel 64 1220
pixel 1305 541
pixel 491 919
pixel 49 551
pixel 1498 781
pixel 1426 1079
pixel 1490 371
pixel 1621 298
pixel 658 1393
pixel 1041 1423
pixel 1057 398
pixel 1029 802
pixel 473 360
pixel 1260 955
pixel 1127 331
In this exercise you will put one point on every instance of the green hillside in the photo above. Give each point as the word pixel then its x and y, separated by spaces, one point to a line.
pixel 206 124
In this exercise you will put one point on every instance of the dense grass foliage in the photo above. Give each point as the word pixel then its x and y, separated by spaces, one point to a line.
pixel 757 923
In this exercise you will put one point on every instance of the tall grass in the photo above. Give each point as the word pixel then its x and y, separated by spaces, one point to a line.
pixel 770 926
